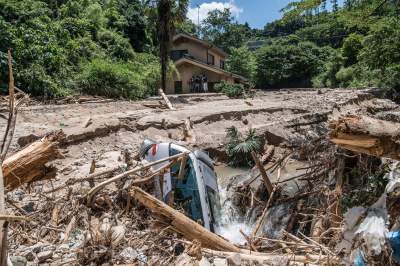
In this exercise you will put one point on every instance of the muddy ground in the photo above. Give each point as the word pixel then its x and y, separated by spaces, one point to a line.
pixel 282 117
pixel 285 119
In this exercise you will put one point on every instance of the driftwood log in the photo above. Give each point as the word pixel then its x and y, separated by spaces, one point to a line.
pixel 165 98
pixel 367 135
pixel 29 164
pixel 182 224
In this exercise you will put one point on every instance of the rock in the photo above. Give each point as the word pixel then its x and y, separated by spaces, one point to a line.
pixel 44 255
pixel 18 261
pixel 142 259
pixel 234 260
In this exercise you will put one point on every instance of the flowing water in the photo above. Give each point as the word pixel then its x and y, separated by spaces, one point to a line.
pixel 230 223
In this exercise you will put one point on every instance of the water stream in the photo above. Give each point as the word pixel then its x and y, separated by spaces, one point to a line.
pixel 232 221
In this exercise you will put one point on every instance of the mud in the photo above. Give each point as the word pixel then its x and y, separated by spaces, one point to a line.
pixel 285 119
pixel 281 117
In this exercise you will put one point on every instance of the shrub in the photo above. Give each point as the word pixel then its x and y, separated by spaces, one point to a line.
pixel 345 76
pixel 242 62
pixel 351 48
pixel 327 77
pixel 231 90
pixel 239 147
pixel 288 62
pixel 115 45
pixel 112 79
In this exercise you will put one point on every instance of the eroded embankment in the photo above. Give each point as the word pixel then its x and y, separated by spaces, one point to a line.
pixel 278 116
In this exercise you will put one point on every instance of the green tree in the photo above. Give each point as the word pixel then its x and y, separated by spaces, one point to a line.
pixel 54 41
pixel 288 62
pixel 351 48
pixel 242 62
pixel 222 30
pixel 171 13
pixel 381 51
pixel 239 147
pixel 128 16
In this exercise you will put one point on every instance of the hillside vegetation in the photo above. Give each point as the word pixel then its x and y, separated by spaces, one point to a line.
pixel 110 48
pixel 63 47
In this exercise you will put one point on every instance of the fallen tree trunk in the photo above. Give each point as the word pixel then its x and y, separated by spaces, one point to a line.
pixel 184 225
pixel 29 164
pixel 367 135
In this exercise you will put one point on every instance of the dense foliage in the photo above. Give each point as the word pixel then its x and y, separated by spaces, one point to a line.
pixel 288 62
pixel 316 43
pixel 242 62
pixel 221 29
pixel 354 45
pixel 231 90
pixel 60 47
pixel 239 146
pixel 112 47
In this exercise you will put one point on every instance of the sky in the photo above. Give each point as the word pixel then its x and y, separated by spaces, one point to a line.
pixel 256 12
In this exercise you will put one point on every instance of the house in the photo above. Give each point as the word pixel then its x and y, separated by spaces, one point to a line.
pixel 195 58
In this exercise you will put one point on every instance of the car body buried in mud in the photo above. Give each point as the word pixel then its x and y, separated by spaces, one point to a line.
pixel 197 191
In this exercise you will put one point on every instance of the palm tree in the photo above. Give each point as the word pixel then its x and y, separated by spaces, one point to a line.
pixel 164 37
pixel 170 14
pixel 239 147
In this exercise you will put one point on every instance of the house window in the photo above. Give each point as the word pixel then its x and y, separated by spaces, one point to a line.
pixel 178 54
pixel 210 59
pixel 222 64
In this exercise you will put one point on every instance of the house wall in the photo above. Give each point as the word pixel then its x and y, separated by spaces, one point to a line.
pixel 198 51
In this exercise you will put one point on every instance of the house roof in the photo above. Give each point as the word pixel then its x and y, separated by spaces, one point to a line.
pixel 209 67
pixel 200 41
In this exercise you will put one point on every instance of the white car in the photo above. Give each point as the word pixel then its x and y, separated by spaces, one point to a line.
pixel 197 192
